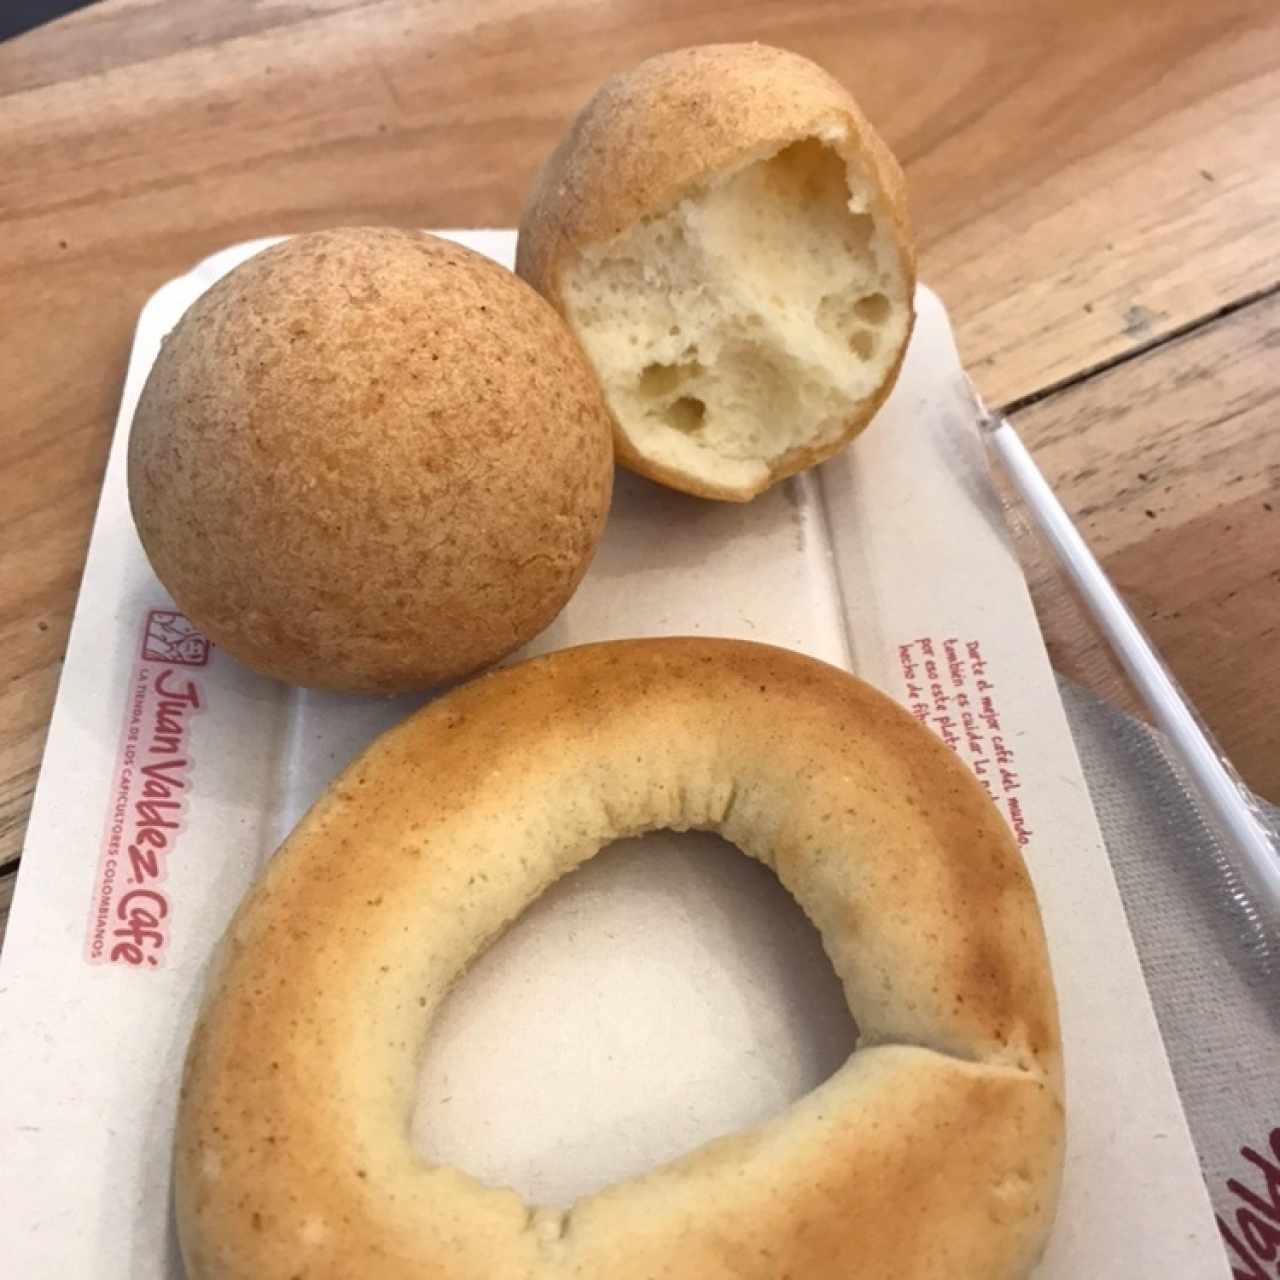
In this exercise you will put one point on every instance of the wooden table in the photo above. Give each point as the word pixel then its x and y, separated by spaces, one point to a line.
pixel 1096 189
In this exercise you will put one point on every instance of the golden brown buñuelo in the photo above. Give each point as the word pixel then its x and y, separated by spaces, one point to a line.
pixel 651 136
pixel 934 1152
pixel 370 459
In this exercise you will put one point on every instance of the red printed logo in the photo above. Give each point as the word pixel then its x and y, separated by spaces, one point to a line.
pixel 170 637
pixel 130 914
pixel 1252 1232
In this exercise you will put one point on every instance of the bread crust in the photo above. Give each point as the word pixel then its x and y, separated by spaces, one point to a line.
pixel 934 1153
pixel 651 136
pixel 370 459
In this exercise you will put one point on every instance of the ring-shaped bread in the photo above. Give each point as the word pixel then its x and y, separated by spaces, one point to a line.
pixel 935 1151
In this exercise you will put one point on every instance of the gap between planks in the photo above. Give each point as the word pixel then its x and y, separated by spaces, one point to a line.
pixel 1187 328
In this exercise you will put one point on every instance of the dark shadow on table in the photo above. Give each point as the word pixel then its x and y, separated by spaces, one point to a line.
pixel 17 16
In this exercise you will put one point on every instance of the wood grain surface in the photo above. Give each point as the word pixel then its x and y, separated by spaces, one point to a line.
pixel 1089 181
pixel 7 881
pixel 1185 517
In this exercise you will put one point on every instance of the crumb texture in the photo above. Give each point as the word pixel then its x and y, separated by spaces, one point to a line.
pixel 750 320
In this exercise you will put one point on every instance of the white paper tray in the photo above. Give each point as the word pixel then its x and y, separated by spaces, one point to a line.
pixel 662 995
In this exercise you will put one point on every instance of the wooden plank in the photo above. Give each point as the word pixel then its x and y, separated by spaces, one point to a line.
pixel 120 34
pixel 1171 465
pixel 1059 188
pixel 1054 152
pixel 1175 221
pixel 6 898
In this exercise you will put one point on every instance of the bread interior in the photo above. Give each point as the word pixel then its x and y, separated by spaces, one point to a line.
pixel 750 320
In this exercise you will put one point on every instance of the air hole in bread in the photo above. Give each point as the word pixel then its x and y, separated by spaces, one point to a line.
pixel 750 322
pixel 874 308
pixel 862 344
pixel 688 414
pixel 660 381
